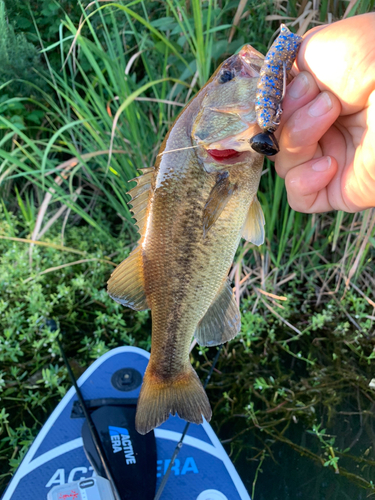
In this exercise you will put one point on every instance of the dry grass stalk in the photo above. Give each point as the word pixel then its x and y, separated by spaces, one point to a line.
pixel 79 29
pixel 192 85
pixel 236 19
pixel 62 266
pixel 58 214
pixel 349 7
pixel 358 290
pixel 273 296
pixel 304 25
pixel 354 267
pixel 131 61
pixel 280 317
pixel 43 244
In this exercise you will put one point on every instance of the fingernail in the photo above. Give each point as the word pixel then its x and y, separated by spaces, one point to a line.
pixel 299 86
pixel 322 164
pixel 321 105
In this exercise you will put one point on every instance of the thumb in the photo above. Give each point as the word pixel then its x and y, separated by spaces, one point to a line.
pixel 340 56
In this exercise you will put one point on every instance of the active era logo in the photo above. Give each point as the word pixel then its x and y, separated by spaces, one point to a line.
pixel 121 442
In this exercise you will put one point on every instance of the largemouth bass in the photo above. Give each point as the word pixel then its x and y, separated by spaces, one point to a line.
pixel 191 210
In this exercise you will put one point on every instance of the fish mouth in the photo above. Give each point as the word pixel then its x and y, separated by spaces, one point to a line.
pixel 227 157
pixel 236 147
pixel 233 148
pixel 223 154
pixel 252 60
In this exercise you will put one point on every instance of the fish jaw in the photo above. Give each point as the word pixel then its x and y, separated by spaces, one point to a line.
pixel 239 142
pixel 229 152
pixel 252 60
pixel 227 120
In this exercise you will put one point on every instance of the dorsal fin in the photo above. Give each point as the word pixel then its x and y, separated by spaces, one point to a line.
pixel 126 282
pixel 143 182
pixel 140 195
pixel 222 320
pixel 140 202
pixel 253 228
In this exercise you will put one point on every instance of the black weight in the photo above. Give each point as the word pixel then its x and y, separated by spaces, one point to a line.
pixel 265 143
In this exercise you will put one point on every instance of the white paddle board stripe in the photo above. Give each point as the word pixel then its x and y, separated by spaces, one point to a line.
pixel 42 459
pixel 77 443
pixel 227 461
pixel 191 441
pixel 50 455
pixel 217 451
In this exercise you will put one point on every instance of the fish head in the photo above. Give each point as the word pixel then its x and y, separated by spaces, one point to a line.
pixel 227 120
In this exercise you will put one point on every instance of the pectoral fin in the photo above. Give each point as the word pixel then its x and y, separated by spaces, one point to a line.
pixel 253 229
pixel 222 321
pixel 126 284
pixel 217 201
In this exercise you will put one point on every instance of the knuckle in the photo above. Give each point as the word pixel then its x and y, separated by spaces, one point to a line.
pixel 297 203
pixel 280 168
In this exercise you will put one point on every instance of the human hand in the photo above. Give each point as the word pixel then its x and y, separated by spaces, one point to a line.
pixel 327 130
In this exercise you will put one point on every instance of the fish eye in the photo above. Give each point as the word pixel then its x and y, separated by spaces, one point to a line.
pixel 226 76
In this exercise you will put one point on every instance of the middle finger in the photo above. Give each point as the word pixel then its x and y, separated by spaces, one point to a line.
pixel 302 131
pixel 299 92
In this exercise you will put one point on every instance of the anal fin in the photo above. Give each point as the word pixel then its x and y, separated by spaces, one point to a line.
pixel 253 229
pixel 126 283
pixel 222 320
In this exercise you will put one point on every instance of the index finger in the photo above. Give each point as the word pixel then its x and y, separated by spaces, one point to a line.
pixel 300 136
pixel 299 92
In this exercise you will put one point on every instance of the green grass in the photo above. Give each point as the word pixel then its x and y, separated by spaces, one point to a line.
pixel 112 85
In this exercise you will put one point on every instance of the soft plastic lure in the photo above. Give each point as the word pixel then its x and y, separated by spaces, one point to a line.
pixel 271 89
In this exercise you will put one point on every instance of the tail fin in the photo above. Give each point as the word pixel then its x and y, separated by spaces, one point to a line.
pixel 158 398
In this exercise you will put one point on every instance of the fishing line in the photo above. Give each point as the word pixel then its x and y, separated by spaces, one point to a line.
pixel 92 428
pixel 184 432
pixel 179 149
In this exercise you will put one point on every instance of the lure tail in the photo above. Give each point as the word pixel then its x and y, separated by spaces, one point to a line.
pixel 184 394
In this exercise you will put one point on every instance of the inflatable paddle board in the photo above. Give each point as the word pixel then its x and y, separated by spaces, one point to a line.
pixel 110 387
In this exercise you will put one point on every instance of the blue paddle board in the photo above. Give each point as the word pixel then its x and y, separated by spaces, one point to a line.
pixel 202 471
